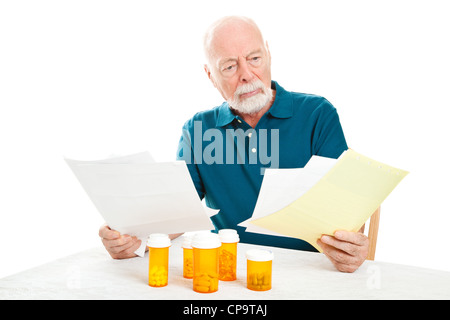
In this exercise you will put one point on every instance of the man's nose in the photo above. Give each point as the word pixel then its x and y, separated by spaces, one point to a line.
pixel 246 75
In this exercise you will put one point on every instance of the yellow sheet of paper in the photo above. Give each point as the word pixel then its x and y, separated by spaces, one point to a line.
pixel 343 199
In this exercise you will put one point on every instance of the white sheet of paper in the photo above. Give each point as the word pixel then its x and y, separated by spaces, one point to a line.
pixel 281 187
pixel 138 197
pixel 141 157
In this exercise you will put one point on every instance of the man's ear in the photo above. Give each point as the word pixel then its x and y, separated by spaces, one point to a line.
pixel 268 51
pixel 208 73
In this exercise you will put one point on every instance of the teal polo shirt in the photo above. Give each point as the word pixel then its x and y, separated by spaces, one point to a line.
pixel 226 157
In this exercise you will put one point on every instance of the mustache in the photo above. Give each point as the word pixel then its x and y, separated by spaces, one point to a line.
pixel 249 87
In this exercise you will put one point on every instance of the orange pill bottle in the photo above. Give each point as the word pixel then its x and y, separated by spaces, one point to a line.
pixel 259 269
pixel 158 269
pixel 228 254
pixel 206 262
pixel 188 257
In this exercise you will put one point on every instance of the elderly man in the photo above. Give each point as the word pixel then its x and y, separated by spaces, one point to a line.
pixel 228 172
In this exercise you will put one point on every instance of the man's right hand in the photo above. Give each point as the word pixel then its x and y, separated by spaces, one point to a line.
pixel 118 246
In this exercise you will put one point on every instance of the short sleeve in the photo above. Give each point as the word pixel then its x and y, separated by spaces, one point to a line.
pixel 328 137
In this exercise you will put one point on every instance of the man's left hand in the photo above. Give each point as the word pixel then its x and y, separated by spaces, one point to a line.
pixel 346 250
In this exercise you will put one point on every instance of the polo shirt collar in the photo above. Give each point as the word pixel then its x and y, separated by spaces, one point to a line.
pixel 225 116
pixel 282 107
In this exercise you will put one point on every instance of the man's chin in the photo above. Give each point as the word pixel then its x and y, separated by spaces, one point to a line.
pixel 247 110
pixel 251 105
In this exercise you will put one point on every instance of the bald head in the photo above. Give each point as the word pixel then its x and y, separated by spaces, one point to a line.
pixel 238 63
pixel 218 34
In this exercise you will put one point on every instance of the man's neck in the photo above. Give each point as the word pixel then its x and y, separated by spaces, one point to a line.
pixel 253 119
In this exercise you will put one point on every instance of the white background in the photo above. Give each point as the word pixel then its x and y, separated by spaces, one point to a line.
pixel 101 77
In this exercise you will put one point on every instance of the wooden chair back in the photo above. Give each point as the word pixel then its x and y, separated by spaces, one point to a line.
pixel 373 233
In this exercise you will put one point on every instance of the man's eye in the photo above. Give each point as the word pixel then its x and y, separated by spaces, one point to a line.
pixel 228 68
pixel 255 60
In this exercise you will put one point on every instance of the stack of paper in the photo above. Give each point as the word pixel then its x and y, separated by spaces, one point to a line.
pixel 325 196
pixel 137 196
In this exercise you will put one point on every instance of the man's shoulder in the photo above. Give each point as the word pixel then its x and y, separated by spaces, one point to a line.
pixel 311 105
pixel 307 101
pixel 310 100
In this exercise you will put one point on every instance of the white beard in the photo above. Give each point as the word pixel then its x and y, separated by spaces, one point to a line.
pixel 251 104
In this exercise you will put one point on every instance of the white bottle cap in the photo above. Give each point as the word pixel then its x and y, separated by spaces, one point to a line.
pixel 187 241
pixel 158 240
pixel 259 255
pixel 228 236
pixel 206 241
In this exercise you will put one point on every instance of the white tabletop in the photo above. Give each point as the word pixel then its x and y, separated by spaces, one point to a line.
pixel 92 274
